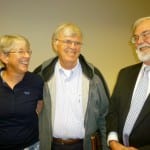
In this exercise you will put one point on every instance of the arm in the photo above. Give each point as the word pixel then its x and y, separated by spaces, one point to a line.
pixel 115 145
pixel 103 110
pixel 39 106
pixel 115 115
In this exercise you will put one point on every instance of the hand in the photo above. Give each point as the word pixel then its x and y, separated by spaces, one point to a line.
pixel 114 145
pixel 39 106
pixel 132 148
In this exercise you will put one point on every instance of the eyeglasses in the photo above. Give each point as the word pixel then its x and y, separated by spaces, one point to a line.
pixel 21 52
pixel 69 42
pixel 144 35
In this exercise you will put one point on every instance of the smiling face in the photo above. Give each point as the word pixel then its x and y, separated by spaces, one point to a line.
pixel 142 41
pixel 68 51
pixel 67 44
pixel 17 59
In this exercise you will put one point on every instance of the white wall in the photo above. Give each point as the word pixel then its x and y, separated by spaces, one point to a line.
pixel 105 24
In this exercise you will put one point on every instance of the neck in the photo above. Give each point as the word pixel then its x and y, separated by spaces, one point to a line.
pixel 68 66
pixel 12 78
pixel 147 63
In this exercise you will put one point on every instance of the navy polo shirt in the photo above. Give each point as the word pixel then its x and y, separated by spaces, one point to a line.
pixel 18 118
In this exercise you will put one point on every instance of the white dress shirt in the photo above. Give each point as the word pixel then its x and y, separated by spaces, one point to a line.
pixel 69 118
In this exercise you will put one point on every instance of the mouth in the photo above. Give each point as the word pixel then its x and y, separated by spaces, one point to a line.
pixel 25 63
pixel 70 52
pixel 143 48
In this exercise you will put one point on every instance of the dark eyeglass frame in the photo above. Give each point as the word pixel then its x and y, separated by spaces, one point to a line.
pixel 145 35
pixel 69 42
pixel 21 52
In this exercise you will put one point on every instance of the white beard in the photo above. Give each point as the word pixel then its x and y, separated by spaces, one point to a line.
pixel 143 56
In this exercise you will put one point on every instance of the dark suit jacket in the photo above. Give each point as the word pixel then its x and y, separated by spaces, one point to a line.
pixel 119 107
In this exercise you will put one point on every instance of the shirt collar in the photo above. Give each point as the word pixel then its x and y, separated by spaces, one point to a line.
pixel 68 73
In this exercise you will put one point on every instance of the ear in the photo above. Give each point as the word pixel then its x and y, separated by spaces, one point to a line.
pixel 55 43
pixel 4 57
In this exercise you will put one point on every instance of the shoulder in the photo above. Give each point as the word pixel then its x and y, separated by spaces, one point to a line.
pixel 93 73
pixel 98 78
pixel 33 78
pixel 88 68
pixel 45 65
pixel 131 68
pixel 102 79
pixel 46 69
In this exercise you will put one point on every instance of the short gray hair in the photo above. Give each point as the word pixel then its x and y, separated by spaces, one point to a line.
pixel 67 29
pixel 7 42
pixel 137 22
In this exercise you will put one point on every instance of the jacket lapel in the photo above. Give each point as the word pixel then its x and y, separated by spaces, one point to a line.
pixel 145 110
pixel 131 77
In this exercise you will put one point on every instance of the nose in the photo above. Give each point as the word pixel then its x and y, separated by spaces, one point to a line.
pixel 73 44
pixel 27 53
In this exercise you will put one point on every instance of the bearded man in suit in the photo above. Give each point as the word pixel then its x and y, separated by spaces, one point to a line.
pixel 127 131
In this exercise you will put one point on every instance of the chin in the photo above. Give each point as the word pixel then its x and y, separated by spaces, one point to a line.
pixel 23 71
pixel 144 58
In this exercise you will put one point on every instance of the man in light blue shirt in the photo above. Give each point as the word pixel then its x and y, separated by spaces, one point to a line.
pixel 75 96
